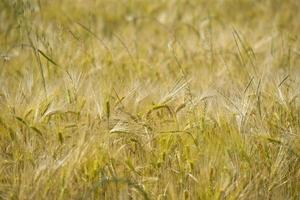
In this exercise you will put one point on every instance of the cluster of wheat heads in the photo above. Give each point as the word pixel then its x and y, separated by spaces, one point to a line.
pixel 129 99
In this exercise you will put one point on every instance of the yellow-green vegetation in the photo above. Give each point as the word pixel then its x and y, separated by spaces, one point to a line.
pixel 149 99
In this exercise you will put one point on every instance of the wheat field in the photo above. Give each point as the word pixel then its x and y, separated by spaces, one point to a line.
pixel 150 99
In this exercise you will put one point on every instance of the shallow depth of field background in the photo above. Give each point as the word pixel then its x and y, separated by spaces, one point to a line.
pixel 140 99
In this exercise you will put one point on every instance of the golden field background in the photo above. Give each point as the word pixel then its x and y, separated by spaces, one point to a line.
pixel 129 99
